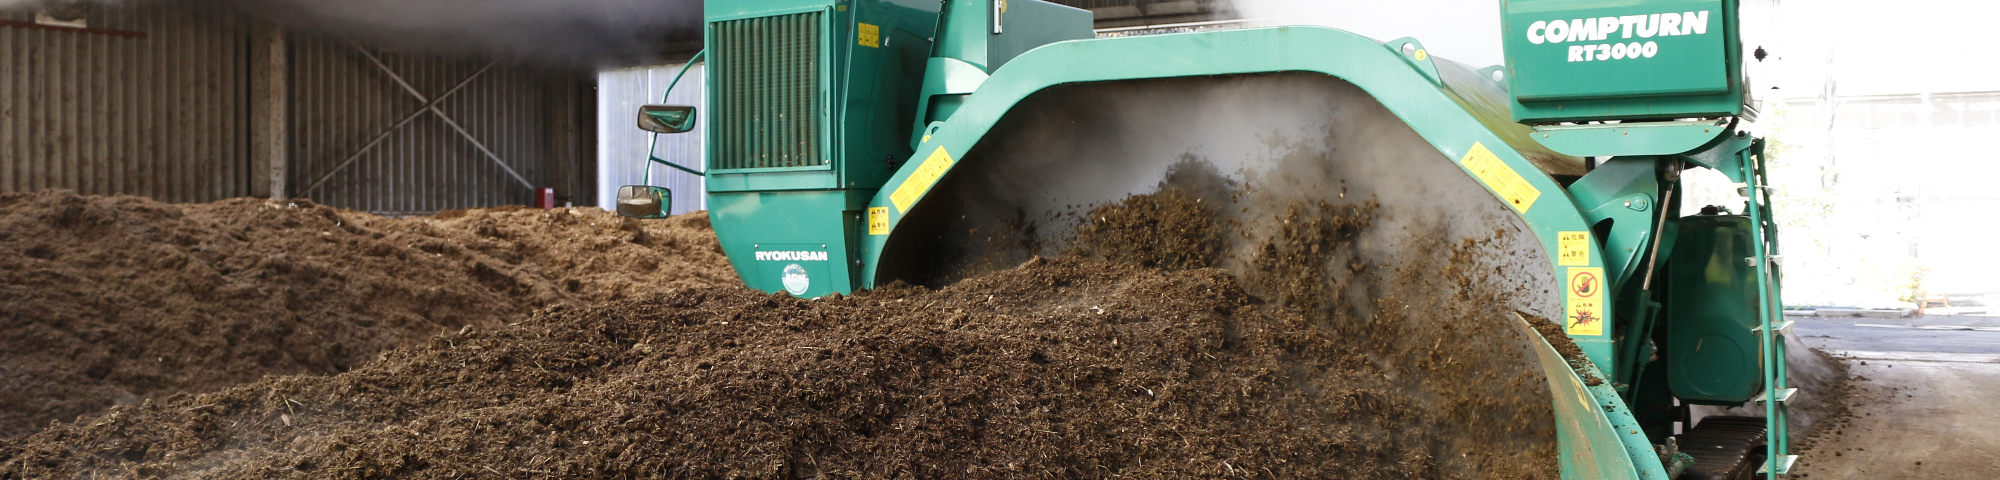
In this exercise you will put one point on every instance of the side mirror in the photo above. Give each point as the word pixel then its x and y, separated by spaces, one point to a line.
pixel 666 118
pixel 641 201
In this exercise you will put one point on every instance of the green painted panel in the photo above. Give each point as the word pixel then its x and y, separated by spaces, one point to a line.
pixel 1589 445
pixel 989 33
pixel 1636 138
pixel 810 103
pixel 1578 49
pixel 1486 99
pixel 813 179
pixel 1623 191
pixel 946 81
pixel 795 241
pixel 1650 108
pixel 1693 73
pixel 886 46
pixel 812 85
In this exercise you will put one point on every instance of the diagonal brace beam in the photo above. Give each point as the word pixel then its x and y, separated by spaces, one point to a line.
pixel 429 105
pixel 432 106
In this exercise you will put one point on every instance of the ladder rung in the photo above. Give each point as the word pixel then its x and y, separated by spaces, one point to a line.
pixel 1784 395
pixel 1783 328
pixel 1784 465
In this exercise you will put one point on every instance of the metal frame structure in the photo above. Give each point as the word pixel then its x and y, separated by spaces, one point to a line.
pixel 429 105
pixel 1600 225
pixel 652 148
pixel 1410 85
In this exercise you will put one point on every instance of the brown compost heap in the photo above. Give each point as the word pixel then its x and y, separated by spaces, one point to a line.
pixel 1055 369
pixel 1134 361
pixel 112 300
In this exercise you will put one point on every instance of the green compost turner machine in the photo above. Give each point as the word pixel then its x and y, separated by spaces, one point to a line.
pixel 854 143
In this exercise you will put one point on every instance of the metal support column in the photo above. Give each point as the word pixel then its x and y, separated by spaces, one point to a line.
pixel 270 144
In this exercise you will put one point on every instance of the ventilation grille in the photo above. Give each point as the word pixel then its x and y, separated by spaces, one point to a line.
pixel 769 110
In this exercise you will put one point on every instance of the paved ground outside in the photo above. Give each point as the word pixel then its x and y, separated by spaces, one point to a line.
pixel 1926 400
pixel 1931 333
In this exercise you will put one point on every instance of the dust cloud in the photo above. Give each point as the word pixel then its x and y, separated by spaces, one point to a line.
pixel 1324 202
pixel 556 32
pixel 1286 139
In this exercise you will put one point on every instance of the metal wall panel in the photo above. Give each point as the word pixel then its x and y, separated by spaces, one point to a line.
pixel 396 132
pixel 1128 13
pixel 622 145
pixel 160 114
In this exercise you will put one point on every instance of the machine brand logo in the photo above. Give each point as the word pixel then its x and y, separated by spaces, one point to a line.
pixel 792 256
pixel 796 280
pixel 1626 27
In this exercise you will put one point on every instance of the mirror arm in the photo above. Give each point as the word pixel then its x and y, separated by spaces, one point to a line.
pixel 684 71
pixel 653 148
pixel 678 166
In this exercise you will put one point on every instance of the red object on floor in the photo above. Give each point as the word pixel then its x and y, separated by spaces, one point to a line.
pixel 547 199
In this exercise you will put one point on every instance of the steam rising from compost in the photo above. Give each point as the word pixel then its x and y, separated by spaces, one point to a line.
pixel 1323 201
pixel 1270 141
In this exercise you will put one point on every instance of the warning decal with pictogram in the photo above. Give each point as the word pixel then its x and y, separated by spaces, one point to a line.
pixel 1583 313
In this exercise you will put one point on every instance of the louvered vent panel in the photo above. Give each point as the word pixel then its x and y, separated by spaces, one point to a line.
pixel 769 108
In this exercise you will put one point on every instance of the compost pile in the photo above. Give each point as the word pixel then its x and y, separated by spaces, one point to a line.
pixel 113 300
pixel 1058 368
pixel 1089 366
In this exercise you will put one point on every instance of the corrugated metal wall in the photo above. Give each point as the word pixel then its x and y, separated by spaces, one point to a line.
pixel 156 101
pixel 362 140
pixel 622 145
pixel 1127 13
pixel 160 115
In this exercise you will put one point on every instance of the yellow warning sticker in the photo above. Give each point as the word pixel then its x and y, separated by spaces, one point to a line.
pixel 1584 316
pixel 920 181
pixel 878 220
pixel 871 35
pixel 1493 172
pixel 1573 249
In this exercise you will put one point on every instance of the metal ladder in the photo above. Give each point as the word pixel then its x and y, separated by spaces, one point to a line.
pixel 1773 329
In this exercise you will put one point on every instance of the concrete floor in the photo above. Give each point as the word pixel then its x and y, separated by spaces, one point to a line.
pixel 1925 402
pixel 1934 333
